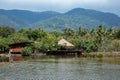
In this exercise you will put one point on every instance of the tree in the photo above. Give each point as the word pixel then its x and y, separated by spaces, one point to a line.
pixel 18 37
pixel 81 31
pixel 68 32
pixel 88 45
pixel 47 42
pixel 3 44
pixel 56 33
pixel 117 34
pixel 110 33
pixel 35 34
pixel 100 34
pixel 5 31
pixel 27 51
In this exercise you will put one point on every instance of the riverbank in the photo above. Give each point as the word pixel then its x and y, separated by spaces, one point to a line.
pixel 84 55
pixel 101 54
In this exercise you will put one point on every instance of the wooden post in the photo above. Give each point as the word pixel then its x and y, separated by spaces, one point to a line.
pixel 10 56
pixel 76 55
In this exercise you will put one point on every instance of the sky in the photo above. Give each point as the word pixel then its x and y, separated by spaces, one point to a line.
pixel 112 6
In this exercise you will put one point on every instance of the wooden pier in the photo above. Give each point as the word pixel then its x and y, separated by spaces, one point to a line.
pixel 76 53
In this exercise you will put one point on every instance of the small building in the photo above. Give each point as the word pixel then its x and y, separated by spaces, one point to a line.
pixel 66 49
pixel 15 50
pixel 64 43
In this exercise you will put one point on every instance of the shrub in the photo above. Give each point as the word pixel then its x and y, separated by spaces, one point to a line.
pixel 27 51
pixel 100 55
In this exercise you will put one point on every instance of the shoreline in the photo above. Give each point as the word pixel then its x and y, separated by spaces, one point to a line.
pixel 84 55
pixel 104 54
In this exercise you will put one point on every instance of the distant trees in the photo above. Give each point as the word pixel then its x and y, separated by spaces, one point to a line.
pixel 88 45
pixel 3 44
pixel 97 39
pixel 18 37
pixel 46 42
pixel 117 34
pixel 5 31
pixel 81 31
pixel 68 32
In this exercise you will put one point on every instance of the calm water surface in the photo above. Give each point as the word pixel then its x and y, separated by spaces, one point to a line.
pixel 62 69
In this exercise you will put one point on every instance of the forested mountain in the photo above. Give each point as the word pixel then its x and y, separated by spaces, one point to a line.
pixel 108 18
pixel 50 20
pixel 23 18
pixel 80 17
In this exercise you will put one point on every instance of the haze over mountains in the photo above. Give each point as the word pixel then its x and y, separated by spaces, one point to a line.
pixel 50 20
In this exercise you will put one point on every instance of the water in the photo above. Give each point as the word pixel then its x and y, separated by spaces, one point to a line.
pixel 62 69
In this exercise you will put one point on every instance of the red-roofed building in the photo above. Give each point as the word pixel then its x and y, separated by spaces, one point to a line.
pixel 16 48
pixel 15 51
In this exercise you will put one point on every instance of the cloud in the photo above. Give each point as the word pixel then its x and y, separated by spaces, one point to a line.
pixel 55 2
pixel 61 5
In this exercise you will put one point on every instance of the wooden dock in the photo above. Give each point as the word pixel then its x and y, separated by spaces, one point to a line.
pixel 76 53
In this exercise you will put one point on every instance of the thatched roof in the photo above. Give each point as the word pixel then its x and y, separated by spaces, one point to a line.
pixel 63 42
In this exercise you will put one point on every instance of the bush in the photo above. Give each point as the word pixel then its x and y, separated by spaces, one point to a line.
pixel 100 55
pixel 27 51
pixel 88 45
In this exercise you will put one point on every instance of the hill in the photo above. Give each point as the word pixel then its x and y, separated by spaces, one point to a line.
pixel 23 18
pixel 50 20
pixel 108 18
pixel 80 17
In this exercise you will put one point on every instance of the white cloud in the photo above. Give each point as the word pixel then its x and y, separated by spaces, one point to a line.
pixel 61 5
pixel 67 2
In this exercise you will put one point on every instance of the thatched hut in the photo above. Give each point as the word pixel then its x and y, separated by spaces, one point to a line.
pixel 64 43
pixel 65 49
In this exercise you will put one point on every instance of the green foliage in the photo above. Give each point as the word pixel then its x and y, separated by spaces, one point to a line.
pixel 81 31
pixel 68 32
pixel 27 51
pixel 48 42
pixel 57 21
pixel 88 45
pixel 115 45
pixel 18 37
pixel 79 17
pixel 98 39
pixel 99 34
pixel 85 55
pixel 110 45
pixel 100 55
pixel 2 42
pixel 117 34
pixel 5 31
pixel 22 18
pixel 56 33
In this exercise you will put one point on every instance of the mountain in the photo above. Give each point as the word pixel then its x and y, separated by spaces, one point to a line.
pixel 109 18
pixel 23 18
pixel 50 20
pixel 80 17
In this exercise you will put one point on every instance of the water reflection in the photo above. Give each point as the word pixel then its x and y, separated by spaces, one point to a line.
pixel 62 69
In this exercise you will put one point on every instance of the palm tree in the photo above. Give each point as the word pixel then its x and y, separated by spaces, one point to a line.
pixel 68 32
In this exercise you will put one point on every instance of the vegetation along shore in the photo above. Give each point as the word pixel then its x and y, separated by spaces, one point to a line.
pixel 99 41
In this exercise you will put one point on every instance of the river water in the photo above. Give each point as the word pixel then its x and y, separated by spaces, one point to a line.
pixel 62 69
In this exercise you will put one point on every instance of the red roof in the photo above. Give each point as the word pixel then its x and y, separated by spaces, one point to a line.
pixel 15 49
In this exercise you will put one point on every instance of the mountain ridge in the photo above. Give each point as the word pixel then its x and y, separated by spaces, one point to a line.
pixel 25 17
pixel 51 20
